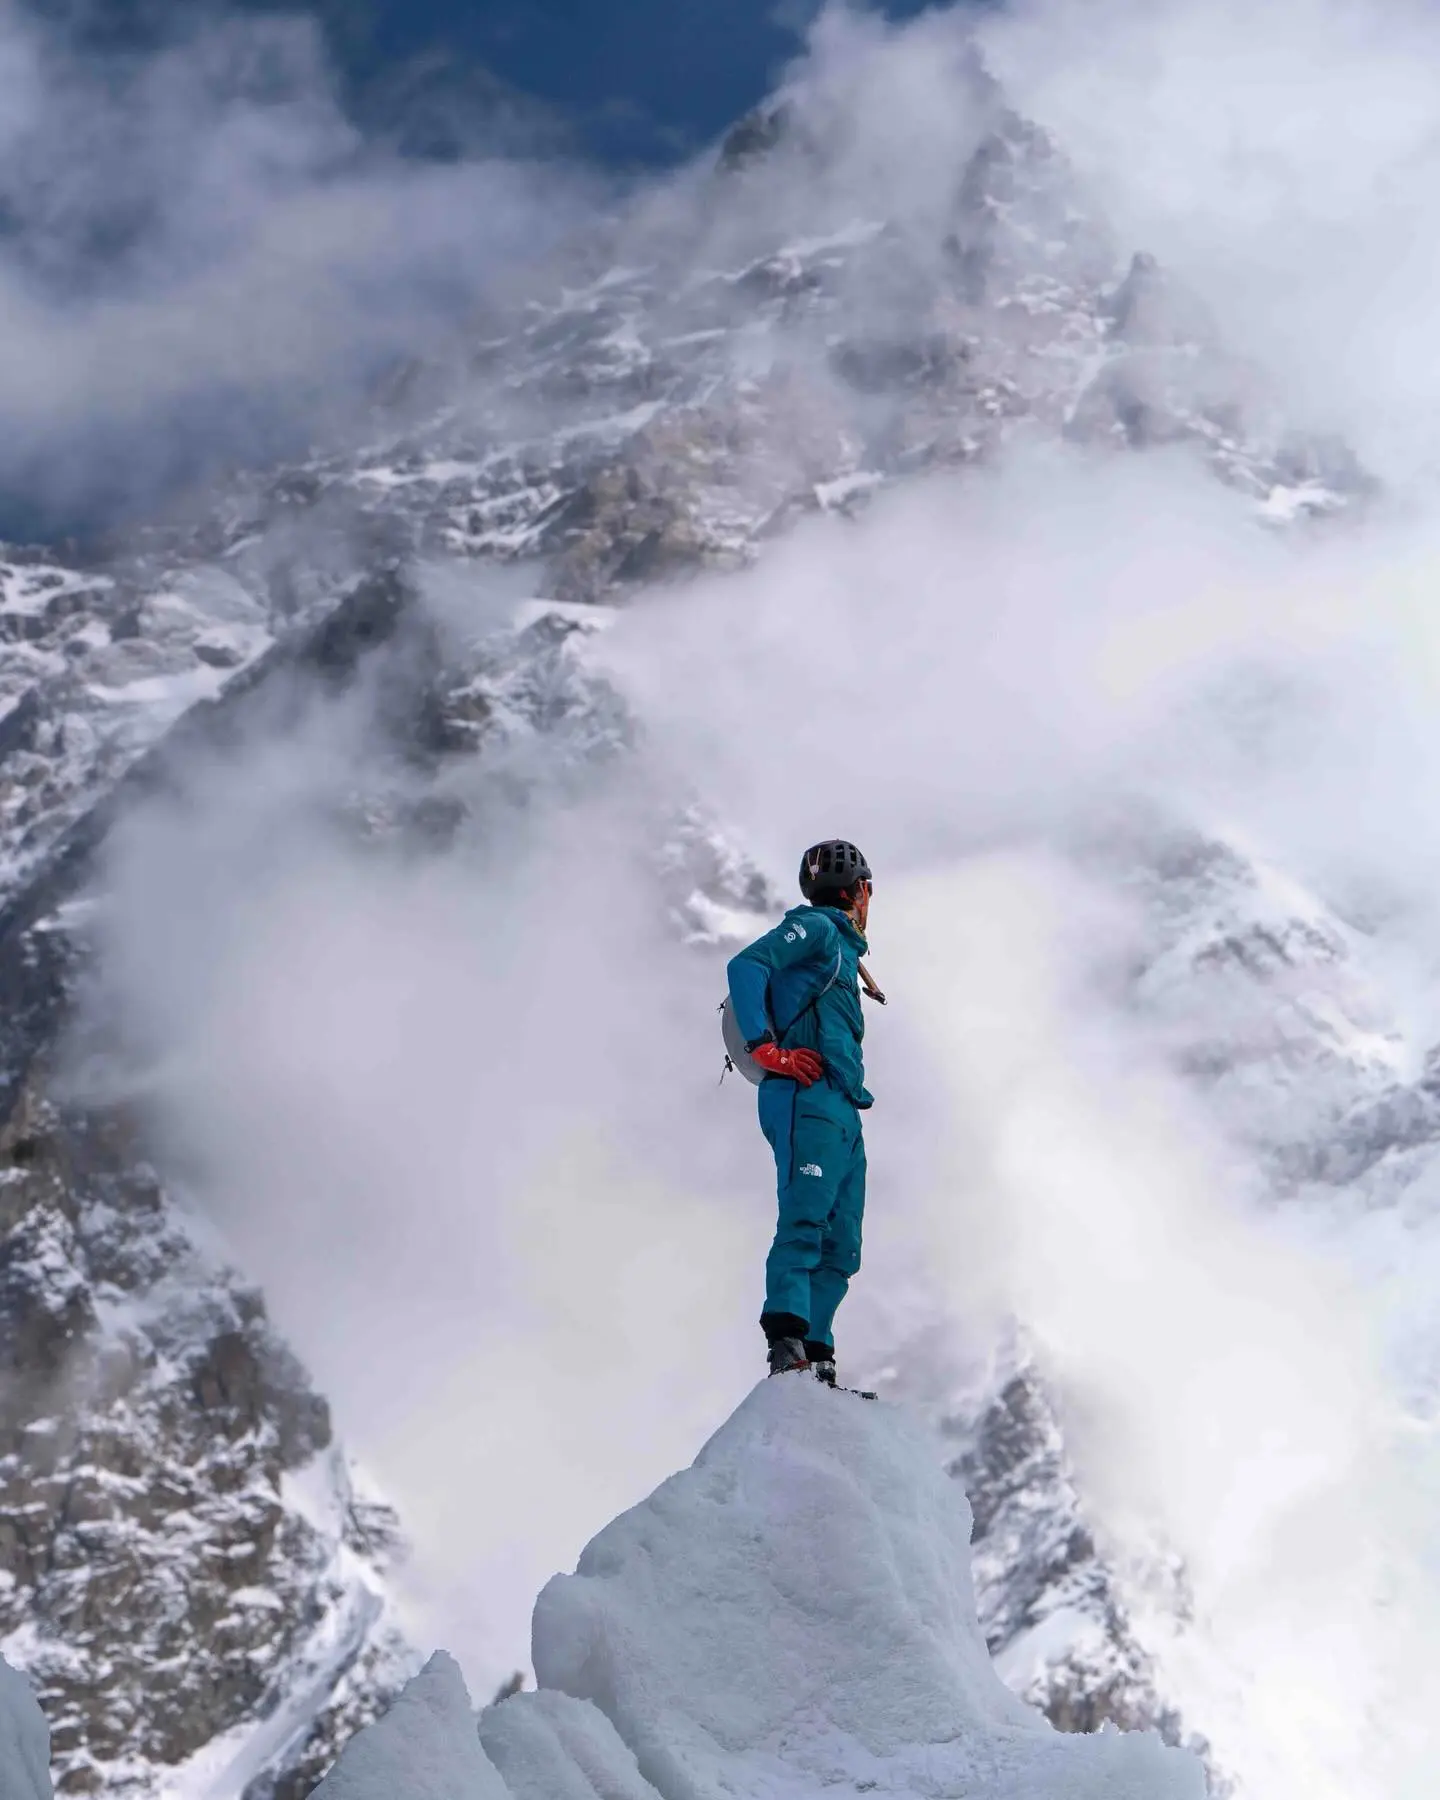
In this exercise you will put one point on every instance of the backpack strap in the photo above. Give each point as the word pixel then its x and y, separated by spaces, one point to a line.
pixel 815 998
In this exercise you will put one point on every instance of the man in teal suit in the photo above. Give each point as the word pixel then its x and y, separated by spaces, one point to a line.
pixel 795 995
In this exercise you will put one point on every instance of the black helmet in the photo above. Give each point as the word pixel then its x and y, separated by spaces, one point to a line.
pixel 831 868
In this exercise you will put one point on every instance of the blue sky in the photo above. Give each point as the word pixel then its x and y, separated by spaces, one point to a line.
pixel 639 79
pixel 630 81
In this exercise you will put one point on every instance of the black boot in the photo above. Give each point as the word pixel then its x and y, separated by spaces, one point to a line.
pixel 787 1354
pixel 822 1367
pixel 785 1334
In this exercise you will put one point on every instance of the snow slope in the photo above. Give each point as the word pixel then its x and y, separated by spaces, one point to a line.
pixel 794 1613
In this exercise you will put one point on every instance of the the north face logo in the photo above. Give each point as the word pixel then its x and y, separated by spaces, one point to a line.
pixel 811 1169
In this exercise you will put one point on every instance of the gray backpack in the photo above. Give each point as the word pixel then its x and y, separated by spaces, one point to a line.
pixel 737 1056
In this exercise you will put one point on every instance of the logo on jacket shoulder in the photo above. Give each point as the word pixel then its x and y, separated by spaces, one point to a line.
pixel 811 1169
pixel 796 930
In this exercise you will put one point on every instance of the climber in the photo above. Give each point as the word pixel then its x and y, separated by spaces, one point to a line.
pixel 796 1000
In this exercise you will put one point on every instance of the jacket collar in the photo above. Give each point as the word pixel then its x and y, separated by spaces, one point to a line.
pixel 847 925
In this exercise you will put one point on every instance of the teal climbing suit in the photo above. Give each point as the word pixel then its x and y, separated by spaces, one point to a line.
pixel 820 1164
pixel 800 982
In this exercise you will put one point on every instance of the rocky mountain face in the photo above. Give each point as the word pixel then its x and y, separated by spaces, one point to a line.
pixel 1037 1563
pixel 175 1519
pixel 178 1525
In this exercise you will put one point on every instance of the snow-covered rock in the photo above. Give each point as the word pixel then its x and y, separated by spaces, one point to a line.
pixel 188 1576
pixel 24 1740
pixel 1050 1605
pixel 424 1748
pixel 554 1747
pixel 794 1614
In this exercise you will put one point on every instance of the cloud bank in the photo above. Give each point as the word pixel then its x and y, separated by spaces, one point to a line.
pixel 204 261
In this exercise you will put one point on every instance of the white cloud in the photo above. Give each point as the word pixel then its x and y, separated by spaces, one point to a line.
pixel 1282 160
pixel 203 258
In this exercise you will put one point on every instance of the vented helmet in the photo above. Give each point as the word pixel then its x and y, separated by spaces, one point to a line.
pixel 831 868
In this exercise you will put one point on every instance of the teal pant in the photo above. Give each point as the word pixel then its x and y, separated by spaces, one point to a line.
pixel 820 1162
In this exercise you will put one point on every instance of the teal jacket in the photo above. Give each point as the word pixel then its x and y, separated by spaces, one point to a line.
pixel 813 954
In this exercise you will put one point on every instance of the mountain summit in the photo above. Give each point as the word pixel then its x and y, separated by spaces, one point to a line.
pixel 794 1613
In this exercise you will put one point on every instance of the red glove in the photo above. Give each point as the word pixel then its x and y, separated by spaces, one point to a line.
pixel 803 1066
